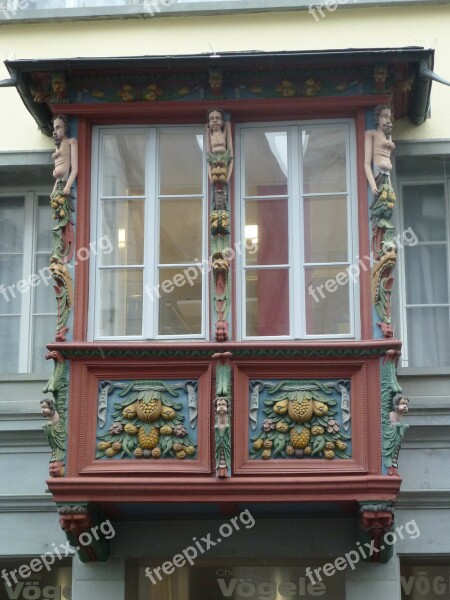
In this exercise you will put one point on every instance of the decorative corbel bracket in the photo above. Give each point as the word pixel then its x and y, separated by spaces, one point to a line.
pixel 86 532
pixel 376 521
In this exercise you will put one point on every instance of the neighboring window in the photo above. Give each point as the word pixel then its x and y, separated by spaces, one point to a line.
pixel 149 221
pixel 27 299
pixel 425 300
pixel 298 207
pixel 424 578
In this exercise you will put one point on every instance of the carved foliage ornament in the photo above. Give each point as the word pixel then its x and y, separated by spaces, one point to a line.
pixel 147 422
pixel 300 419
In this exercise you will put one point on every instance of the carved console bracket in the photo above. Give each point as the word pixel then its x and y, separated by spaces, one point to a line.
pixel 376 521
pixel 56 411
pixel 394 406
pixel 222 409
pixel 87 530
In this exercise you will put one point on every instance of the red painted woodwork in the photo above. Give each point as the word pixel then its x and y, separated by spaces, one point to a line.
pixel 365 409
pixel 84 384
pixel 164 480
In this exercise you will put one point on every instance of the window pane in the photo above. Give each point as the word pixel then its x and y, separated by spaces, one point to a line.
pixel 9 347
pixel 10 273
pixel 326 235
pixel 426 274
pixel 43 333
pixel 12 217
pixel 327 301
pixel 44 295
pixel 267 302
pixel 180 305
pixel 123 164
pixel 120 302
pixel 123 226
pixel 266 225
pixel 324 159
pixel 266 165
pixel 180 230
pixel 181 163
pixel 424 211
pixel 44 226
pixel 428 337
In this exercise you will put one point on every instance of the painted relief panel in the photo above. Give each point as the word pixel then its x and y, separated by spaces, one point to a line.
pixel 147 420
pixel 300 419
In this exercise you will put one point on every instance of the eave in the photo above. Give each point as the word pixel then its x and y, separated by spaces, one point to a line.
pixel 409 83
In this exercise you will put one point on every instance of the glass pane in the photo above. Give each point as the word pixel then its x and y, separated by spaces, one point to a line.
pixel 44 225
pixel 266 229
pixel 43 333
pixel 10 275
pixel 428 337
pixel 44 294
pixel 12 218
pixel 120 302
pixel 123 164
pixel 267 302
pixel 122 233
pixel 9 348
pixel 180 230
pixel 326 235
pixel 266 162
pixel 426 274
pixel 180 305
pixel 327 301
pixel 324 159
pixel 424 211
pixel 181 162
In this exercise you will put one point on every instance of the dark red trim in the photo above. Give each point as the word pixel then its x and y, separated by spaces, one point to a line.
pixel 84 384
pixel 381 345
pixel 242 109
pixel 363 229
pixel 83 220
pixel 180 489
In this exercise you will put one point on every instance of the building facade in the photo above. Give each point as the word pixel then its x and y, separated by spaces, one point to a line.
pixel 241 276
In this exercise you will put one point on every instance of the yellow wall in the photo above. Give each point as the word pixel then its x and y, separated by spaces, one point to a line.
pixel 424 25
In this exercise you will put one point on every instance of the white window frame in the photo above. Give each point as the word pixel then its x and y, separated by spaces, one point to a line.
pixel 411 181
pixel 296 249
pixel 151 242
pixel 27 330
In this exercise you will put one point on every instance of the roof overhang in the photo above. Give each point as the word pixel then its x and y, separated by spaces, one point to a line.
pixel 408 74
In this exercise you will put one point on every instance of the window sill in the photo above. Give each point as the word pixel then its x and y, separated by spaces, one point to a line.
pixel 24 377
pixel 423 371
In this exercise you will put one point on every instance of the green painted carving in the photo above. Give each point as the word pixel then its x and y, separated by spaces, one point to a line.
pixel 222 406
pixel 378 149
pixel 62 206
pixel 65 173
pixel 219 145
pixel 76 520
pixel 300 420
pixel 147 423
pixel 202 353
pixel 394 405
pixel 56 411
